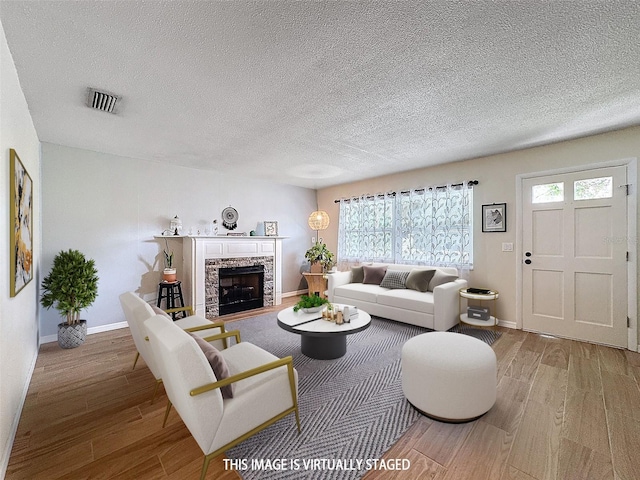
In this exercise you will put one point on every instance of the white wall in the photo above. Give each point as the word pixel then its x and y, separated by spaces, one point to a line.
pixel 110 207
pixel 494 268
pixel 18 315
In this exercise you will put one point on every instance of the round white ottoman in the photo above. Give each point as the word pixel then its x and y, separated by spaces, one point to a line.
pixel 449 376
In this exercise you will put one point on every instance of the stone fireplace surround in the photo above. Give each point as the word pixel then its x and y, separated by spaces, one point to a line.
pixel 204 256
pixel 212 279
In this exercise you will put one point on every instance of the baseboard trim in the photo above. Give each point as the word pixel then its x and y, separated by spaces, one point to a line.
pixel 504 323
pixel 6 454
pixel 90 331
pixel 295 293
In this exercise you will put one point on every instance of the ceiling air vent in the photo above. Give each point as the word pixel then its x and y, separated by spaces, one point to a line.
pixel 103 101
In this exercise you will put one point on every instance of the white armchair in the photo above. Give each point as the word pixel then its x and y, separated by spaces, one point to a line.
pixel 265 387
pixel 136 311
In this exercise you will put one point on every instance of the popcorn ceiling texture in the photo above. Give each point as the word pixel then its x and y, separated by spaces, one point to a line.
pixel 320 93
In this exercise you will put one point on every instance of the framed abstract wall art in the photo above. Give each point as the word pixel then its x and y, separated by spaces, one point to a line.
pixel 21 228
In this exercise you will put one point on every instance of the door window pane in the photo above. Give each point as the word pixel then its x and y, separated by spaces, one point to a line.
pixel 592 188
pixel 549 192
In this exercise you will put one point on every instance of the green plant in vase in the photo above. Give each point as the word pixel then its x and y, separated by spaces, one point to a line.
pixel 308 302
pixel 320 255
pixel 169 274
pixel 70 287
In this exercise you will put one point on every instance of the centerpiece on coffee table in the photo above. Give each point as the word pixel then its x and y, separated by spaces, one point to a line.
pixel 310 304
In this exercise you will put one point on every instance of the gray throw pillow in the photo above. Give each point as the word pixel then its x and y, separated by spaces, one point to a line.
pixel 419 279
pixel 394 279
pixel 439 278
pixel 357 274
pixel 217 362
pixel 373 275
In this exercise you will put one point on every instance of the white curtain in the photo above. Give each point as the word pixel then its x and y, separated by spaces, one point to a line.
pixel 427 226
pixel 365 232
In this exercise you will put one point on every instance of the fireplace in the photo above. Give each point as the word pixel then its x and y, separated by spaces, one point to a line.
pixel 205 257
pixel 240 288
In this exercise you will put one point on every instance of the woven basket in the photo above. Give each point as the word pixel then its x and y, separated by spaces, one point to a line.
pixel 72 336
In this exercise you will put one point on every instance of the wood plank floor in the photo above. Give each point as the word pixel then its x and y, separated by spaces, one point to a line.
pixel 565 410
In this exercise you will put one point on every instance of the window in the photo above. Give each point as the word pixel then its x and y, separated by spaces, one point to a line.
pixel 423 226
pixel 369 223
pixel 547 193
pixel 593 188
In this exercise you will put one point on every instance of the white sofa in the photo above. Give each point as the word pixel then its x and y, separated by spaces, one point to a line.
pixel 437 309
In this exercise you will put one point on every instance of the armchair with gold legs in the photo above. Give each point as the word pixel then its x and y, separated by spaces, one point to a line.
pixel 265 388
pixel 136 311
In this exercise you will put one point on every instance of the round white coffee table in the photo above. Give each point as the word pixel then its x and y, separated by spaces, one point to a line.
pixel 321 339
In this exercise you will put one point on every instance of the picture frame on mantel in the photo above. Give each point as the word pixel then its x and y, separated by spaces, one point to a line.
pixel 21 227
pixel 494 217
pixel 270 229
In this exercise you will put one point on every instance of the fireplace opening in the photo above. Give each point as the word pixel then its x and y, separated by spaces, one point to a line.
pixel 240 289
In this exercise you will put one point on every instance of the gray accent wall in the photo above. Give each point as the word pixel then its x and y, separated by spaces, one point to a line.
pixel 110 207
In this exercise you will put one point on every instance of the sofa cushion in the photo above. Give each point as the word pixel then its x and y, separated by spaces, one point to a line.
pixel 419 279
pixel 394 279
pixel 217 362
pixel 373 275
pixel 439 278
pixel 357 274
pixel 359 291
pixel 407 300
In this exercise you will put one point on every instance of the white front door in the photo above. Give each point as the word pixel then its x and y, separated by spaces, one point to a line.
pixel 574 281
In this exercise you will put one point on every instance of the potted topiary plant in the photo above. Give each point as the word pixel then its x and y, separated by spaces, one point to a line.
pixel 71 286
pixel 320 257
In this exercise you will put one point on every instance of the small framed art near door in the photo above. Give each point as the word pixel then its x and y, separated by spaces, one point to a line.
pixel 21 228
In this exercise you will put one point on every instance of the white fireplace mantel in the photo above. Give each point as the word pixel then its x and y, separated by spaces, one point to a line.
pixel 198 249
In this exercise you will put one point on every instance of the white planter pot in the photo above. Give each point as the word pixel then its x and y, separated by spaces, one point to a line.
pixel 169 275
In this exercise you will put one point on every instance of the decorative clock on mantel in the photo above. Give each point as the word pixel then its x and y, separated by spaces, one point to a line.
pixel 230 218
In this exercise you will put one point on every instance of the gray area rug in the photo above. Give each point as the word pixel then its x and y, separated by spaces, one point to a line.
pixel 351 409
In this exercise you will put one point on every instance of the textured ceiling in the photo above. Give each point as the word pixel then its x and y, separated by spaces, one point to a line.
pixel 320 93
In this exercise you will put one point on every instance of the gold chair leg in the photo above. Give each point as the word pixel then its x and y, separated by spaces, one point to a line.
pixel 205 466
pixel 298 419
pixel 136 360
pixel 155 391
pixel 294 393
pixel 166 413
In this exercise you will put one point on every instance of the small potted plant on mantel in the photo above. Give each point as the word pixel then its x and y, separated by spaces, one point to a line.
pixel 71 286
pixel 320 257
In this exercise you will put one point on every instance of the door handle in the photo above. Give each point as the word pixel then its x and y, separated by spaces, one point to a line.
pixel 527 261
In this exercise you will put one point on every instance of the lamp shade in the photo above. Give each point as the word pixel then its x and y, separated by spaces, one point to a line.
pixel 319 220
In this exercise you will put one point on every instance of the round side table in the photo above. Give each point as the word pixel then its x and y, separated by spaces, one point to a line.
pixel 481 297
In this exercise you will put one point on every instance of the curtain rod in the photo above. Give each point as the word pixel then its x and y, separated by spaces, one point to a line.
pixel 470 183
